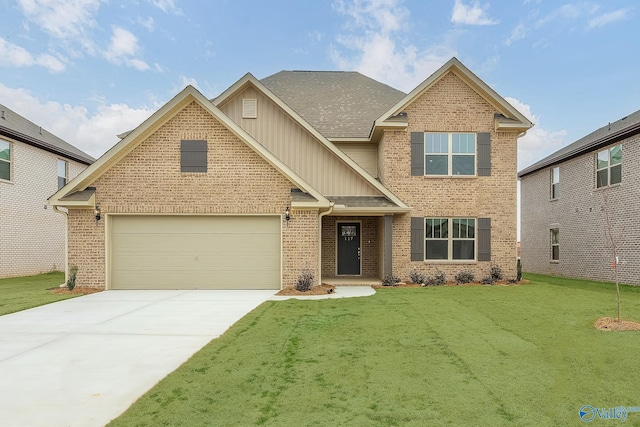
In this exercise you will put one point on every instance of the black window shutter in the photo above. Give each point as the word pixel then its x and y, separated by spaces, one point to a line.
pixel 484 154
pixel 484 239
pixel 417 153
pixel 193 155
pixel 417 239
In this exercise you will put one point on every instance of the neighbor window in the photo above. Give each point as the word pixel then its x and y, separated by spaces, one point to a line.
pixel 5 160
pixel 62 173
pixel 555 183
pixel 450 238
pixel 555 244
pixel 609 166
pixel 450 154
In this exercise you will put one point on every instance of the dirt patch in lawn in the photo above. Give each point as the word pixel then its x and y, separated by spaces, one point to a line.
pixel 316 290
pixel 80 290
pixel 611 324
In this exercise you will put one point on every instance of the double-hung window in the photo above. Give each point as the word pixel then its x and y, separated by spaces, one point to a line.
pixel 5 160
pixel 555 182
pixel 450 238
pixel 555 244
pixel 609 166
pixel 450 154
pixel 63 173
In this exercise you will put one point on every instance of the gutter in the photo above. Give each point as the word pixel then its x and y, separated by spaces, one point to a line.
pixel 327 212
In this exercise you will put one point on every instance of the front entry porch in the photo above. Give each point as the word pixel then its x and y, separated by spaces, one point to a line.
pixel 356 250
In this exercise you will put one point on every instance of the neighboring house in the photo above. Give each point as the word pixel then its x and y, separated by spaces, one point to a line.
pixel 34 164
pixel 565 199
pixel 328 171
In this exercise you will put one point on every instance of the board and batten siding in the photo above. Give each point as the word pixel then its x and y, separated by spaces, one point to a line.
pixel 366 155
pixel 296 147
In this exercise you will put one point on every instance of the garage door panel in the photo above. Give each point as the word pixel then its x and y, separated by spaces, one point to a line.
pixel 199 252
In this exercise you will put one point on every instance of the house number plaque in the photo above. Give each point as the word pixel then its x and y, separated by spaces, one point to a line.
pixel 348 232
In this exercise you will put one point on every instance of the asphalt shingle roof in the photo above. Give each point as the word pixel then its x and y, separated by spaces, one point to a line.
pixel 601 137
pixel 338 104
pixel 15 126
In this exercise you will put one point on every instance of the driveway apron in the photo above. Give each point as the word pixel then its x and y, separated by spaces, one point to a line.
pixel 84 361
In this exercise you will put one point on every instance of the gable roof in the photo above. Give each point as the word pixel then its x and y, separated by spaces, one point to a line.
pixel 608 134
pixel 249 79
pixel 339 104
pixel 154 122
pixel 14 126
pixel 510 119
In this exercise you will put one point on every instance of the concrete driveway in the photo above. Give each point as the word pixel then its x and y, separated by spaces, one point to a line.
pixel 84 361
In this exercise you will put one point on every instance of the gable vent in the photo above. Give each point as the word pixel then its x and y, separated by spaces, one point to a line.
pixel 249 108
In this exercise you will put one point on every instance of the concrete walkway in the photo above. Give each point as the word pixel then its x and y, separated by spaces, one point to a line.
pixel 84 361
pixel 341 292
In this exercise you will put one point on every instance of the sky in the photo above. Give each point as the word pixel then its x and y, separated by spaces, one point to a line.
pixel 87 70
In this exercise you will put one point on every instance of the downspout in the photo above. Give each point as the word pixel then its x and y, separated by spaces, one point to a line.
pixel 66 243
pixel 320 240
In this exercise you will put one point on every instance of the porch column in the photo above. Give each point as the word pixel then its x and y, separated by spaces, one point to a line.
pixel 388 246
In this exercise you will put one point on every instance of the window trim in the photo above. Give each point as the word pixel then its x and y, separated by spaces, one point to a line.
pixel 555 256
pixel 9 161
pixel 450 239
pixel 555 183
pixel 450 155
pixel 608 167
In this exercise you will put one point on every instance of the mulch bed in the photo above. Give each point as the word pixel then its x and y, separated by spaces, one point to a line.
pixel 611 324
pixel 80 290
pixel 417 285
pixel 316 290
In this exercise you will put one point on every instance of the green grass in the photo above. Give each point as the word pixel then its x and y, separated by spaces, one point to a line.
pixel 21 293
pixel 522 355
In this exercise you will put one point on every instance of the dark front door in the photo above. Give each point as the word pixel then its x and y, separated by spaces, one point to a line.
pixel 349 248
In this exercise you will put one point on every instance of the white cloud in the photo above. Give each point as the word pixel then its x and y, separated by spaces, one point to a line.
pixel 472 14
pixel 147 23
pixel 374 44
pixel 518 33
pixel 538 142
pixel 92 133
pixel 12 55
pixel 608 18
pixel 65 20
pixel 123 46
pixel 167 6
pixel 184 82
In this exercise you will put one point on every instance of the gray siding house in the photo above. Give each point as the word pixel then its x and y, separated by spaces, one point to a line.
pixel 567 196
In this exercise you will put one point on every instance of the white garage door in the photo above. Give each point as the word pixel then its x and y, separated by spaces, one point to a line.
pixel 195 252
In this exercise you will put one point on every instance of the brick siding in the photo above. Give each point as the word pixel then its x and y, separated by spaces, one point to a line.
pixel 579 215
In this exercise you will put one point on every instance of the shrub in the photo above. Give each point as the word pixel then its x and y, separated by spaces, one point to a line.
pixel 417 277
pixel 305 280
pixel 518 270
pixel 71 281
pixel 487 280
pixel 465 276
pixel 496 273
pixel 390 280
pixel 440 278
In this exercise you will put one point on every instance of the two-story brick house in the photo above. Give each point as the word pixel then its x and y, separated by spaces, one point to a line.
pixel 328 171
pixel 565 199
pixel 34 164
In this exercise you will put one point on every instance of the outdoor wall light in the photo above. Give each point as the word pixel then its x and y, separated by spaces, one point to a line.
pixel 96 211
pixel 287 215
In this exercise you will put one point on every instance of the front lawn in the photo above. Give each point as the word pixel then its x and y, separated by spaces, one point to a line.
pixel 20 293
pixel 501 355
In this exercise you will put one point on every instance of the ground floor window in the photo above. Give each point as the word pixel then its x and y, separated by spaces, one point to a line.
pixel 450 238
pixel 555 244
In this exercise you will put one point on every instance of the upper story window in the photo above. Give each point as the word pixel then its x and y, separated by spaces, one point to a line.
pixel 5 160
pixel 63 173
pixel 450 154
pixel 450 238
pixel 555 182
pixel 609 166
